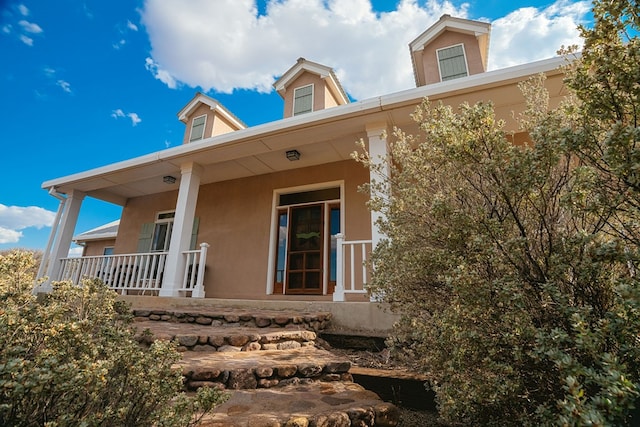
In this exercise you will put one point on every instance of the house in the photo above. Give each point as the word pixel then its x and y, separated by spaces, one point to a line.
pixel 273 212
pixel 98 241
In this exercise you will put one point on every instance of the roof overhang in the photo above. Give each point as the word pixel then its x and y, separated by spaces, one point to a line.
pixel 103 232
pixel 323 136
pixel 458 25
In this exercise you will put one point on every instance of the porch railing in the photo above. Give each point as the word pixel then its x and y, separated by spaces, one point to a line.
pixel 193 276
pixel 351 267
pixel 140 272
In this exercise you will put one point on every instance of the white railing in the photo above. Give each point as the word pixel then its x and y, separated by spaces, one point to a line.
pixel 193 277
pixel 123 273
pixel 351 267
pixel 136 273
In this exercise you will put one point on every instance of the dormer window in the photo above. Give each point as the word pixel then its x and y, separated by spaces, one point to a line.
pixel 197 128
pixel 452 62
pixel 303 100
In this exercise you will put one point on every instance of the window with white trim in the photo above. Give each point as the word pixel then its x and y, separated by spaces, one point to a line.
pixel 162 231
pixel 452 62
pixel 303 100
pixel 197 128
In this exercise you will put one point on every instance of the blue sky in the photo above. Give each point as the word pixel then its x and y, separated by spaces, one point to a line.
pixel 86 83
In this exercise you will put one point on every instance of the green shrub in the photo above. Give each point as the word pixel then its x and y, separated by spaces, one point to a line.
pixel 515 267
pixel 69 358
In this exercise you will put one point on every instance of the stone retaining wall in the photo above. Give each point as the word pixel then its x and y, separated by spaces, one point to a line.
pixel 265 376
pixel 310 321
pixel 236 341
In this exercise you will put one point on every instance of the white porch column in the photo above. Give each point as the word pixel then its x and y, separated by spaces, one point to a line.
pixel 182 226
pixel 64 235
pixel 378 151
pixel 46 255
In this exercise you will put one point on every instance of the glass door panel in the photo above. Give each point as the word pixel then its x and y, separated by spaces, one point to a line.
pixel 304 266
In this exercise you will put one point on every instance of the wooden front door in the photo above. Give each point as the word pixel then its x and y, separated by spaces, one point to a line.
pixel 305 255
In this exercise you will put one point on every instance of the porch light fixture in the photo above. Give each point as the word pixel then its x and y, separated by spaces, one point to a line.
pixel 293 155
pixel 168 179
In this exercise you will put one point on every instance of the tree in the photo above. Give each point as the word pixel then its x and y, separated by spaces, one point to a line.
pixel 70 358
pixel 514 267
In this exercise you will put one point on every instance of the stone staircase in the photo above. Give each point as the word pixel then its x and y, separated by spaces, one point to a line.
pixel 269 362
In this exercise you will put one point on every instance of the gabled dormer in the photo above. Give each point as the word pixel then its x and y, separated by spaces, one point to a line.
pixel 205 117
pixel 449 49
pixel 309 86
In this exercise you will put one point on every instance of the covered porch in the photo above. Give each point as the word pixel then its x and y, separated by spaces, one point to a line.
pixel 244 173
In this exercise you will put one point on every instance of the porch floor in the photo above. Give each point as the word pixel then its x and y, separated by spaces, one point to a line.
pixel 270 363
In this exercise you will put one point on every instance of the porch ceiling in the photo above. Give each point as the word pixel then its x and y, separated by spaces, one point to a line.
pixel 234 156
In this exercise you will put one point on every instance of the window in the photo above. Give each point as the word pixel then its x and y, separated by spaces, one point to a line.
pixel 303 100
pixel 162 231
pixel 108 250
pixel 305 251
pixel 452 62
pixel 197 128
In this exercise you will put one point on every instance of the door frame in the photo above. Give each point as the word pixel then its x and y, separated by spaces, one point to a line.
pixel 273 240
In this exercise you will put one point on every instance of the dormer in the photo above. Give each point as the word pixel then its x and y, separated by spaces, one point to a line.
pixel 205 117
pixel 307 87
pixel 449 49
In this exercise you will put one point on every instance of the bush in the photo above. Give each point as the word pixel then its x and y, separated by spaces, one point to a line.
pixel 70 358
pixel 515 267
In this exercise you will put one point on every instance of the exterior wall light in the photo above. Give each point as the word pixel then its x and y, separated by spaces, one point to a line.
pixel 293 155
pixel 168 179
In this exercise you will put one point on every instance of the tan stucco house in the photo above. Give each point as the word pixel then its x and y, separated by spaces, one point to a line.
pixel 273 212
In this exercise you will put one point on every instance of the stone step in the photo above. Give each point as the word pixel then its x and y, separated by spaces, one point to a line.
pixel 254 318
pixel 196 337
pixel 337 404
pixel 261 369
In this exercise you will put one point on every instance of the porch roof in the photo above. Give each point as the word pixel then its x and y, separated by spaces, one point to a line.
pixel 321 137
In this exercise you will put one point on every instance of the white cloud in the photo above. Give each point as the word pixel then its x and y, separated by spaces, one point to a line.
pixel 529 33
pixel 119 44
pixel 132 26
pixel 135 119
pixel 66 86
pixel 75 252
pixel 117 113
pixel 226 45
pixel 6 29
pixel 30 27
pixel 13 219
pixel 26 40
pixel 9 236
pixel 24 10
pixel 160 74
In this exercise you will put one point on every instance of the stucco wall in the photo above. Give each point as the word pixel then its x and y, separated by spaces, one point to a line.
pixel 138 211
pixel 305 79
pixel 96 247
pixel 208 126
pixel 235 219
